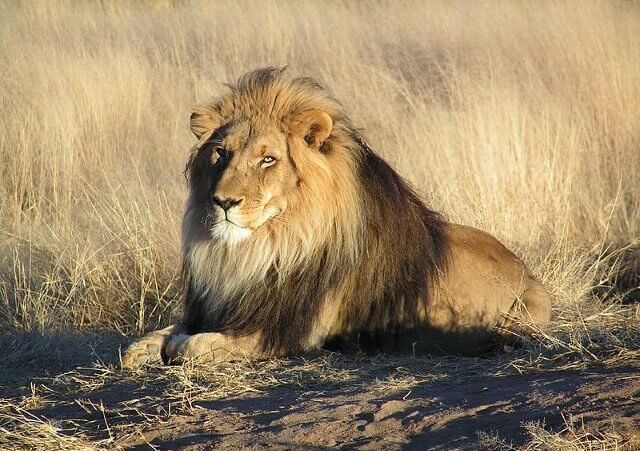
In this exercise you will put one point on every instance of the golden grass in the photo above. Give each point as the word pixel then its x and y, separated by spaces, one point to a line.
pixel 520 118
pixel 575 437
pixel 22 430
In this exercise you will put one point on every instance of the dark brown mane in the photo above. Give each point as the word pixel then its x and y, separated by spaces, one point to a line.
pixel 407 250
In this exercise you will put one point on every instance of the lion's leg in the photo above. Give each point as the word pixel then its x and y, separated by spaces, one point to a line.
pixel 148 349
pixel 210 347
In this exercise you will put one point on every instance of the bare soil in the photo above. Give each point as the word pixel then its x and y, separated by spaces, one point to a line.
pixel 442 415
pixel 331 400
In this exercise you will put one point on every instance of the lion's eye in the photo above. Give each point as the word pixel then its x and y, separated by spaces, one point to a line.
pixel 267 161
pixel 222 152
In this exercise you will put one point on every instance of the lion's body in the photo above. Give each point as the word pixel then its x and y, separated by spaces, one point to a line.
pixel 322 243
pixel 484 286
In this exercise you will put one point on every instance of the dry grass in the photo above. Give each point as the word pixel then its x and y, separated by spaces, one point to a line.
pixel 22 430
pixel 519 118
pixel 573 437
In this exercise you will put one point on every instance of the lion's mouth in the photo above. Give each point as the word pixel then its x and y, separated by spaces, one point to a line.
pixel 224 225
pixel 218 217
pixel 233 223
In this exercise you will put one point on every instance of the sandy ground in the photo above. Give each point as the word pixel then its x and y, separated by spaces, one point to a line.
pixel 442 415
pixel 329 401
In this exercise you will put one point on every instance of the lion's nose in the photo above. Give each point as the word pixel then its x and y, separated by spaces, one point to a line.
pixel 227 203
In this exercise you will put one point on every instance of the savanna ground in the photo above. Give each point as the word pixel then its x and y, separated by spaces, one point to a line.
pixel 520 118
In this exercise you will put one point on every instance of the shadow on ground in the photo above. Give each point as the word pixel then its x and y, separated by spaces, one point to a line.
pixel 29 357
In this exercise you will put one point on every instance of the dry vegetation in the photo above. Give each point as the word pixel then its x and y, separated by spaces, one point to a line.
pixel 519 118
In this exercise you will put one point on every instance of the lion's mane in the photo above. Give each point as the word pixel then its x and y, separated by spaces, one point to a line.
pixel 359 233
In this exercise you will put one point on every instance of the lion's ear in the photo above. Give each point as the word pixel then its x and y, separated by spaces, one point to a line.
pixel 312 125
pixel 203 120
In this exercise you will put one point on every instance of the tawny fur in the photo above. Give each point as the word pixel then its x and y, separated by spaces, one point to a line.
pixel 325 244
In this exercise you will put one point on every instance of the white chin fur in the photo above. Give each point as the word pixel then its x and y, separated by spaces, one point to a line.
pixel 230 233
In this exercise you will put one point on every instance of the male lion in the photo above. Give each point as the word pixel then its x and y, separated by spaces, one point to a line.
pixel 297 235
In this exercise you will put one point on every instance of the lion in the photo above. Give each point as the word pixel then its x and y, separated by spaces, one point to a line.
pixel 298 236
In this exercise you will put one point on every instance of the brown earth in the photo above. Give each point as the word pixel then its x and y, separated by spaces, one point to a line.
pixel 442 415
pixel 331 401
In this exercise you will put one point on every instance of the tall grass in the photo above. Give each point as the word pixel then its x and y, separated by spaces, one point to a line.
pixel 520 118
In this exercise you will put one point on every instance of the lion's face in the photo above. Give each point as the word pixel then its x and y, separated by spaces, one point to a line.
pixel 252 174
pixel 247 174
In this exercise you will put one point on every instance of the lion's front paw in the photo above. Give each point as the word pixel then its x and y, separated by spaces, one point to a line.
pixel 140 353
pixel 202 348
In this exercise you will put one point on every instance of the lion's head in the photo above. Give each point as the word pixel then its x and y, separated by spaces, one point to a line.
pixel 248 172
pixel 272 179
